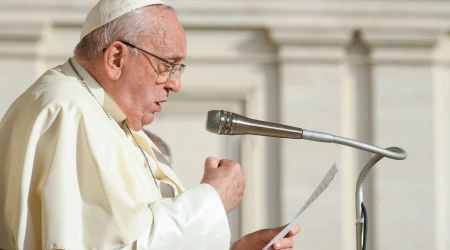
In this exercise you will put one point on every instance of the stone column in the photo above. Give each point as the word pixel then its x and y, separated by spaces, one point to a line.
pixel 20 49
pixel 310 72
pixel 441 89
pixel 356 121
pixel 403 191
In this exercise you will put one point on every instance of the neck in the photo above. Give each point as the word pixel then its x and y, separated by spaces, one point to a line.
pixel 93 69
pixel 135 125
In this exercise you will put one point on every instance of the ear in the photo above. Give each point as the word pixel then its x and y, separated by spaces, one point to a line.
pixel 113 59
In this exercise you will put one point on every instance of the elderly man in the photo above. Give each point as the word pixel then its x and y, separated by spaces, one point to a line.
pixel 76 170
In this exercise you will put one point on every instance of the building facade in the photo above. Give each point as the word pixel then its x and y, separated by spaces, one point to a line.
pixel 376 71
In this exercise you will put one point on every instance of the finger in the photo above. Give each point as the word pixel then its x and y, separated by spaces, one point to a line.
pixel 277 230
pixel 294 230
pixel 269 234
pixel 284 243
pixel 226 161
pixel 211 162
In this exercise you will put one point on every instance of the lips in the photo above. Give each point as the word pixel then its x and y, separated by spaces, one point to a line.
pixel 158 104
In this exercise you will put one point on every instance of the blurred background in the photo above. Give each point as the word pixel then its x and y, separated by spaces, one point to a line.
pixel 376 71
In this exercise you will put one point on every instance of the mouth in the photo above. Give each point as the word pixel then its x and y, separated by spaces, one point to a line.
pixel 158 104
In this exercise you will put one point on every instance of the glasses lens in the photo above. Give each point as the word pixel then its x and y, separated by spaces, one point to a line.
pixel 171 73
pixel 182 66
pixel 177 68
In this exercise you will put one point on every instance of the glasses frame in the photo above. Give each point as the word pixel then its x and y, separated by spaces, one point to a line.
pixel 175 67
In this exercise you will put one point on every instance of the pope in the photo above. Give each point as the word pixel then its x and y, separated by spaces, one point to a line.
pixel 78 172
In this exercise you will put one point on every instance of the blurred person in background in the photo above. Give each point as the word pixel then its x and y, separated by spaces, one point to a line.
pixel 78 172
pixel 161 145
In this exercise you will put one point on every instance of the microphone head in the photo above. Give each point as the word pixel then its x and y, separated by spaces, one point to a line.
pixel 213 121
pixel 227 123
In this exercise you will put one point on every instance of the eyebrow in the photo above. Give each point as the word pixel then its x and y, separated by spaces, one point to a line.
pixel 175 58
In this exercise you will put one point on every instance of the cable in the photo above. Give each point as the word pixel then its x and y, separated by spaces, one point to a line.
pixel 366 221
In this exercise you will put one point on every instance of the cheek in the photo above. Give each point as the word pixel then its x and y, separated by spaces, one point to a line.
pixel 148 94
pixel 144 87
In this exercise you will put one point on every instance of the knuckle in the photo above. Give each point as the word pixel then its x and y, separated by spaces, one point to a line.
pixel 231 163
pixel 232 166
pixel 209 160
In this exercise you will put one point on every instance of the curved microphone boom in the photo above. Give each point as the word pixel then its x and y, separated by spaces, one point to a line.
pixel 228 123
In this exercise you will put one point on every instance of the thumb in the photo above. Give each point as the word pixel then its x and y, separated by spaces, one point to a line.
pixel 211 162
pixel 270 233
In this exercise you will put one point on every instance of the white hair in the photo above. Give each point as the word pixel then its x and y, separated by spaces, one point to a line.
pixel 130 27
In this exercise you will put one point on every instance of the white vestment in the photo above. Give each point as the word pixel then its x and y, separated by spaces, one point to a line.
pixel 71 178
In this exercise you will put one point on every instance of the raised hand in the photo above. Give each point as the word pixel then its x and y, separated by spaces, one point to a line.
pixel 228 180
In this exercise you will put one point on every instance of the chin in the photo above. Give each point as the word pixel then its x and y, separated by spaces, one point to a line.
pixel 148 118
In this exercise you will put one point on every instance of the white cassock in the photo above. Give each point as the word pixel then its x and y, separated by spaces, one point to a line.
pixel 71 178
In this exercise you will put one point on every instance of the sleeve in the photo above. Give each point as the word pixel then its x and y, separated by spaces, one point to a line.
pixel 195 219
pixel 231 244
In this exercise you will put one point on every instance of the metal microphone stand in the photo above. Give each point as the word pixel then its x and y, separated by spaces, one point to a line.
pixel 224 122
pixel 361 212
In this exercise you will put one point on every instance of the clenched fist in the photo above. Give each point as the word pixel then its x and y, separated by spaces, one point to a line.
pixel 227 178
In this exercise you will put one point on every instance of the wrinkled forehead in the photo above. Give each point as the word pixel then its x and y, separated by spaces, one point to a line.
pixel 166 32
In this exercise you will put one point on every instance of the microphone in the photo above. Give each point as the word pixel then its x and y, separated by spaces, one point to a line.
pixel 228 123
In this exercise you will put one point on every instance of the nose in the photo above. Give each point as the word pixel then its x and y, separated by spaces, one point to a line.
pixel 174 84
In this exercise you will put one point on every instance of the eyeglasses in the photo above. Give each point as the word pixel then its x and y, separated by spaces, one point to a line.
pixel 175 67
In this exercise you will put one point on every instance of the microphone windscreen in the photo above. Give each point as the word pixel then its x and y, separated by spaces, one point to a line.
pixel 213 121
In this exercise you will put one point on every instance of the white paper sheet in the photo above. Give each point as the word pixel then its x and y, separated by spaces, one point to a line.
pixel 319 190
